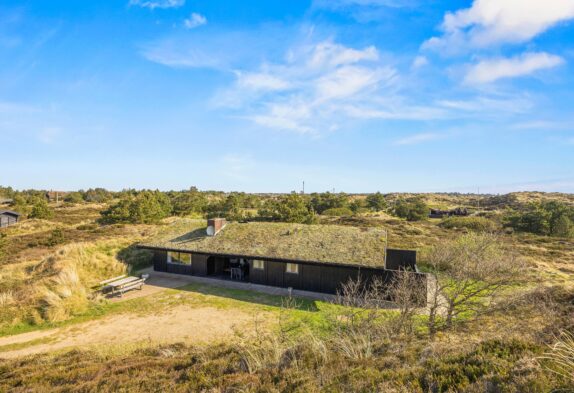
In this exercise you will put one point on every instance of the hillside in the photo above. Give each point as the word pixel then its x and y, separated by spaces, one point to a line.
pixel 49 266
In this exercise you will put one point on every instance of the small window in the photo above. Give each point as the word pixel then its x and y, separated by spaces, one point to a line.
pixel 180 258
pixel 292 268
pixel 258 264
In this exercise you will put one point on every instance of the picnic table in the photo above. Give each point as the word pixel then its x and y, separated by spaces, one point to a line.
pixel 123 285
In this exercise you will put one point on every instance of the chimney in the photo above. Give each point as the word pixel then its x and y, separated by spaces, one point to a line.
pixel 214 225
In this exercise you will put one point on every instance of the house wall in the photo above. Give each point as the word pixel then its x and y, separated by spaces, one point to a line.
pixel 401 259
pixel 199 264
pixel 7 219
pixel 322 278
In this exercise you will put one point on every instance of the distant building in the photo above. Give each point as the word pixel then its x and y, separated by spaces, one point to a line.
pixel 8 217
pixel 317 258
pixel 460 212
pixel 56 196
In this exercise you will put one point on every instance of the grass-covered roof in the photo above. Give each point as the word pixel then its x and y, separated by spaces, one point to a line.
pixel 317 243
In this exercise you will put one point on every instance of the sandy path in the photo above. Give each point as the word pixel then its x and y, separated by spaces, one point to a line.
pixel 179 324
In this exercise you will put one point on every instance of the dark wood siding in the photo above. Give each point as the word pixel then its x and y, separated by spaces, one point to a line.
pixel 258 276
pixel 401 259
pixel 310 278
pixel 275 273
pixel 180 269
pixel 293 280
pixel 314 277
pixel 199 264
pixel 160 261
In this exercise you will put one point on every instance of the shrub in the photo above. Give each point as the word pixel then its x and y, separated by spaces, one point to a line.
pixel 147 207
pixel 477 224
pixel 327 200
pixel 376 201
pixel 41 209
pixel 288 208
pixel 56 237
pixel 338 211
pixel 412 209
pixel 548 218
pixel 74 197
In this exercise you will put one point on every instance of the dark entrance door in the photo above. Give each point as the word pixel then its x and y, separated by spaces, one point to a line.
pixel 211 266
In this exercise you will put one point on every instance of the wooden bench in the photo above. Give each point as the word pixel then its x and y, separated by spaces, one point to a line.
pixel 136 284
pixel 121 284
pixel 102 285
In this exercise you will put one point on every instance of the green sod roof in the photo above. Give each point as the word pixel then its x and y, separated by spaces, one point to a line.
pixel 314 243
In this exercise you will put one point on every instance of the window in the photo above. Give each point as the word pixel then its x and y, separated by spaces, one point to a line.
pixel 180 258
pixel 258 264
pixel 292 268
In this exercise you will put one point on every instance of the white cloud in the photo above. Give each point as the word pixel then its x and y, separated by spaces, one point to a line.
pixel 489 22
pixel 261 81
pixel 318 86
pixel 153 4
pixel 417 139
pixel 329 54
pixel 195 20
pixel 491 70
pixel 419 61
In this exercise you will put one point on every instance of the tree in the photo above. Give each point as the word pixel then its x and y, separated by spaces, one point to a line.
pixel 288 208
pixel 376 202
pixel 97 195
pixel 547 218
pixel 327 200
pixel 358 205
pixel 469 274
pixel 562 226
pixel 412 209
pixel 40 209
pixel 189 202
pixel 74 197
pixel 147 207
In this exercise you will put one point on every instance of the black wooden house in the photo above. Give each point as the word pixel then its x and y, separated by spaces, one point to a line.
pixel 316 258
pixel 8 217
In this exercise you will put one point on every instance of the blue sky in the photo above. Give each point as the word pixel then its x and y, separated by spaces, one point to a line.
pixel 351 95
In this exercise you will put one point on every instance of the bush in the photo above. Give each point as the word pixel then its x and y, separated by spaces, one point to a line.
pixel 147 207
pixel 548 218
pixel 376 202
pixel 41 210
pixel 338 211
pixel 477 224
pixel 327 200
pixel 56 237
pixel 412 209
pixel 74 197
pixel 288 208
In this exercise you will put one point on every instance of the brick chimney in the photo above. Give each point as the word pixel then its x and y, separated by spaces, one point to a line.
pixel 214 225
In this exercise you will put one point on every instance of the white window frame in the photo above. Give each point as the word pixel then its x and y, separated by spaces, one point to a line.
pixel 258 264
pixel 169 259
pixel 292 268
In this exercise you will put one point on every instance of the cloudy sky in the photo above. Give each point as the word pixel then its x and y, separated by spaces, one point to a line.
pixel 351 95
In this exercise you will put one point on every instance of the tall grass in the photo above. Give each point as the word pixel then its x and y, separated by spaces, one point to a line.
pixel 60 285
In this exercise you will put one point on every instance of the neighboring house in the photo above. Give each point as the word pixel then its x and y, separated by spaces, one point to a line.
pixel 316 258
pixel 8 217
pixel 437 213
